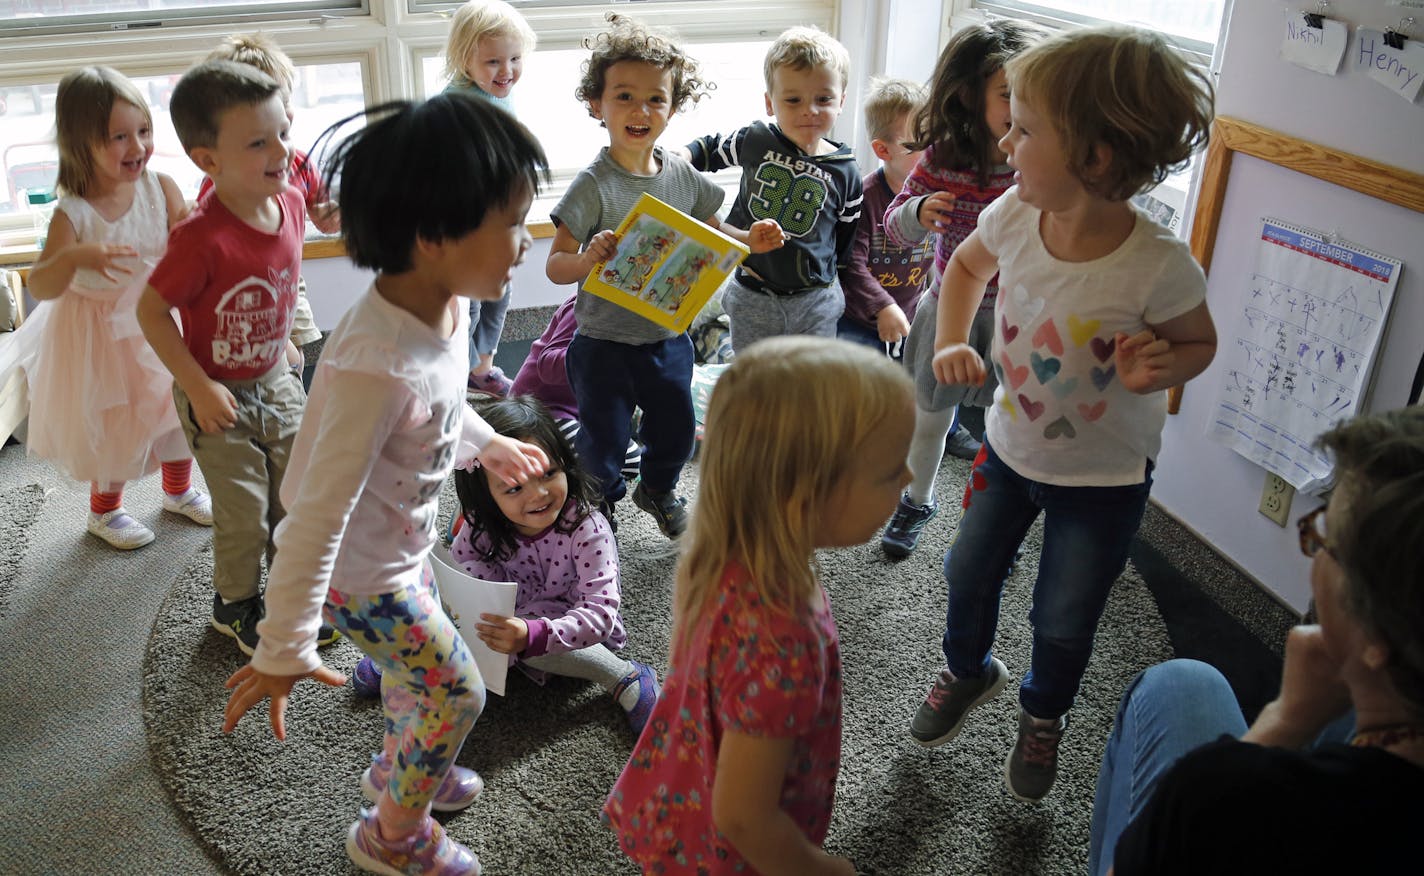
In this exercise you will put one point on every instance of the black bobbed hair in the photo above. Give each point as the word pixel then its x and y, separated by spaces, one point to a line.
pixel 428 171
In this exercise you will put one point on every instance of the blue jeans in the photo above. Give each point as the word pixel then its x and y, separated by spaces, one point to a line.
pixel 849 329
pixel 486 326
pixel 1086 535
pixel 1167 711
pixel 608 380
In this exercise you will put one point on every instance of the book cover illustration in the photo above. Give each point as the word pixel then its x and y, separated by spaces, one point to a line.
pixel 666 266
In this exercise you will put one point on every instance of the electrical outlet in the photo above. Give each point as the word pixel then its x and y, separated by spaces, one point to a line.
pixel 1276 498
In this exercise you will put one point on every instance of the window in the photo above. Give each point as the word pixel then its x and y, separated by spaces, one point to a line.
pixel 349 54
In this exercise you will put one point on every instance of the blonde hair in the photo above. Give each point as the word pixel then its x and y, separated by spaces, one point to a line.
pixel 476 20
pixel 1124 87
pixel 82 106
pixel 888 101
pixel 260 51
pixel 787 420
pixel 802 48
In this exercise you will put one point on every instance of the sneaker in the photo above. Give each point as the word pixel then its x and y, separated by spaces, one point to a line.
pixel 193 504
pixel 239 620
pixel 668 509
pixel 942 714
pixel 366 679
pixel 648 692
pixel 961 445
pixel 427 852
pixel 1032 765
pixel 327 635
pixel 459 790
pixel 905 527
pixel 119 529
pixel 492 382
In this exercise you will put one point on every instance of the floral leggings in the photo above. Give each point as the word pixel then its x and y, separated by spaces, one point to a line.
pixel 430 686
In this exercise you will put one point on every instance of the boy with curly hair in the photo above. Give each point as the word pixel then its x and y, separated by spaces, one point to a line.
pixel 634 82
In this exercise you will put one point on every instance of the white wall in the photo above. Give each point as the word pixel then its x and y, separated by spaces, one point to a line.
pixel 1209 488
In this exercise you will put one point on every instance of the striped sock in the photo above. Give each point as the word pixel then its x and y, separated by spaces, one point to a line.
pixel 177 477
pixel 103 503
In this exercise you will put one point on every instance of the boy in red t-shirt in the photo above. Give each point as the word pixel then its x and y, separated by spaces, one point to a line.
pixel 231 273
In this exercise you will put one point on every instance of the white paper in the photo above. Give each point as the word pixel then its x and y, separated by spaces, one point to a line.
pixel 466 598
pixel 1399 70
pixel 1300 357
pixel 1315 48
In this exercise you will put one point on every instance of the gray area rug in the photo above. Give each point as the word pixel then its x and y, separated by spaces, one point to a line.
pixel 18 509
pixel 549 755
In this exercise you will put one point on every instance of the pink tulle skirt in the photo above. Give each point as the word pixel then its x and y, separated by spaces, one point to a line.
pixel 101 402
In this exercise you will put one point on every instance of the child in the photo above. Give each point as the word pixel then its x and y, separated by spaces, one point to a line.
pixel 484 56
pixel 1106 311
pixel 231 272
pixel 961 173
pixel 101 408
pixel 732 773
pixel 387 423
pixel 549 538
pixel 634 83
pixel 883 280
pixel 261 52
pixel 545 377
pixel 793 175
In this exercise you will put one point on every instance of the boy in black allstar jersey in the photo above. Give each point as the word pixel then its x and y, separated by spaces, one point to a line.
pixel 792 174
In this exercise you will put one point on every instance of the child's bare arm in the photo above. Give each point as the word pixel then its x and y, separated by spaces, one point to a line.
pixel 178 208
pixel 213 404
pixel 567 264
pixel 965 278
pixel 746 807
pixel 1168 354
pixel 64 255
pixel 764 235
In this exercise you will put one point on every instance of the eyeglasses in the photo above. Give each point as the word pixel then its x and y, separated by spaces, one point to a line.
pixel 1311 528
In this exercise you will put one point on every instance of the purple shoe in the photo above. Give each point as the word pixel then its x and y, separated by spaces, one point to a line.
pixel 648 692
pixel 366 679
pixel 427 852
pixel 492 382
pixel 460 788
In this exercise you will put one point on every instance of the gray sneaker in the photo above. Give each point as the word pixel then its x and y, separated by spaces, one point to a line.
pixel 942 714
pixel 961 445
pixel 1032 765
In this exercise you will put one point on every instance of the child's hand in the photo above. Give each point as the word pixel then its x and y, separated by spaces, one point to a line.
pixel 294 355
pixel 1142 360
pixel 600 249
pixel 507 635
pixel 765 235
pixel 109 259
pixel 959 363
pixel 250 687
pixel 892 324
pixel 214 407
pixel 936 211
pixel 513 461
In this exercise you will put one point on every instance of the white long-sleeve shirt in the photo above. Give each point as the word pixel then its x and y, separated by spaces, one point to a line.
pixel 384 425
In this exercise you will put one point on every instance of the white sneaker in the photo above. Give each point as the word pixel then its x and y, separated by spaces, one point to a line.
pixel 119 529
pixel 194 505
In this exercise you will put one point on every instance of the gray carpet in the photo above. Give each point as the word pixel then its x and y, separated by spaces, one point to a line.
pixel 549 755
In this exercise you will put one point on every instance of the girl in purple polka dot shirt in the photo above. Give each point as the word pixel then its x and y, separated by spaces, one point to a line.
pixel 548 537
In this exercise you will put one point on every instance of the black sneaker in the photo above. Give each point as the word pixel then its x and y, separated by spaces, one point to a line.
pixel 905 527
pixel 667 509
pixel 942 714
pixel 327 635
pixel 1032 765
pixel 239 620
pixel 961 445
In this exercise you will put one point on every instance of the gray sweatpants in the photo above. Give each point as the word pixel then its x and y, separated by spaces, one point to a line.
pixel 755 315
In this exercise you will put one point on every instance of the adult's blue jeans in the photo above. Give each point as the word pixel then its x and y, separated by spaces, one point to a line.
pixel 1167 711
pixel 1086 535
pixel 609 379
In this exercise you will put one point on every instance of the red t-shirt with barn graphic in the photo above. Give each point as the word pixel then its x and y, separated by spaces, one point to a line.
pixel 235 287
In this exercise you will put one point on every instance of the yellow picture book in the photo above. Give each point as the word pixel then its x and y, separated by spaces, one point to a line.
pixel 667 264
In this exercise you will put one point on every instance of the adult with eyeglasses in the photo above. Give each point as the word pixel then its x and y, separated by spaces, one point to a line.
pixel 1186 787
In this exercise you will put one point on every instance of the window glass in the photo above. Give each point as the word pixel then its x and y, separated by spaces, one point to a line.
pixel 48 15
pixel 1194 20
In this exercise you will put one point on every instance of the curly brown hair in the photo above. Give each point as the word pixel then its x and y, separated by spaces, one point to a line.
pixel 630 40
